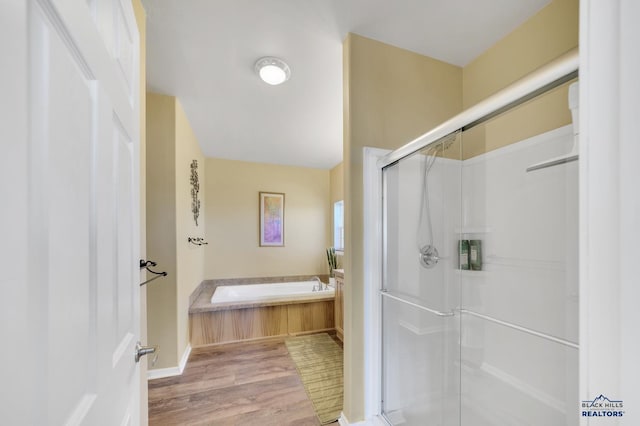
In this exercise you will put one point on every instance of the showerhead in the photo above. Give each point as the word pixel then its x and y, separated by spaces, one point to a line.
pixel 448 141
pixel 442 144
pixel 428 253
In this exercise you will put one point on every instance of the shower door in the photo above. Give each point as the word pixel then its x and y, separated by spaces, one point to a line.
pixel 420 289
pixel 519 307
pixel 480 274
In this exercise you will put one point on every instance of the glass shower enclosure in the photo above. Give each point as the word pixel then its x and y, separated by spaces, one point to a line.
pixel 479 292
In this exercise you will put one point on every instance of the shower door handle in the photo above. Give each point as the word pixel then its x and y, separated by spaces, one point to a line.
pixel 387 293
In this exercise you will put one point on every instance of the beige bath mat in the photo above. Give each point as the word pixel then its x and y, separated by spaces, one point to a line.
pixel 319 362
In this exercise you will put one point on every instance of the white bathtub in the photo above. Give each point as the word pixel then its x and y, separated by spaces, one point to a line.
pixel 300 290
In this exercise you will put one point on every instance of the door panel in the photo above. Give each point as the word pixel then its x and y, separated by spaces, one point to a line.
pixel 17 295
pixel 64 128
pixel 83 212
pixel 421 375
pixel 124 46
pixel 124 210
pixel 420 325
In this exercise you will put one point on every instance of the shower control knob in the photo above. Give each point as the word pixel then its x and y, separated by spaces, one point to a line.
pixel 429 256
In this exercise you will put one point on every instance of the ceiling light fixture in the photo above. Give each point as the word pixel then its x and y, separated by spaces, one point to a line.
pixel 272 70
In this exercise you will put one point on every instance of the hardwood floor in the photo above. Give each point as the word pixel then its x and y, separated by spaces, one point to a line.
pixel 253 383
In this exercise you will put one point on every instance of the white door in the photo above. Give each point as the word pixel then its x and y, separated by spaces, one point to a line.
pixel 70 223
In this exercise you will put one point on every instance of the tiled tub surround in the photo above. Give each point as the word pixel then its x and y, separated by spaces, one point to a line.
pixel 250 320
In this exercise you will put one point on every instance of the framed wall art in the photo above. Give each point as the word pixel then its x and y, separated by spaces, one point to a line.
pixel 271 219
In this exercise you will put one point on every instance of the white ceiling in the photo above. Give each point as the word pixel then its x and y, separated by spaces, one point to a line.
pixel 203 52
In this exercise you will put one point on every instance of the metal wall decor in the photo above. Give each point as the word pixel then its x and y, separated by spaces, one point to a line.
pixel 147 264
pixel 197 241
pixel 195 188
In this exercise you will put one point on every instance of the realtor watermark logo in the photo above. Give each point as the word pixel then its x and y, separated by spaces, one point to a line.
pixel 601 406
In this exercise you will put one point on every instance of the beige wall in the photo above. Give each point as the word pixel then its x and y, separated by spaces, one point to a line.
pixel 544 37
pixel 172 146
pixel 391 97
pixel 336 191
pixel 141 21
pixel 161 227
pixel 336 184
pixel 232 189
pixel 190 258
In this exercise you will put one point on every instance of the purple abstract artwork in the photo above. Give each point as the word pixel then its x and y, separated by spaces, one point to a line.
pixel 271 219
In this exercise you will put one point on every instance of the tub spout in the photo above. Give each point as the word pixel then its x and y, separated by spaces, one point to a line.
pixel 319 284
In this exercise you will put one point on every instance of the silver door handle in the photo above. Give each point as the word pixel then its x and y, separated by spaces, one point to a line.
pixel 143 350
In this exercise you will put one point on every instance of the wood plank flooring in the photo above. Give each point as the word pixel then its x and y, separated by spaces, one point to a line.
pixel 253 383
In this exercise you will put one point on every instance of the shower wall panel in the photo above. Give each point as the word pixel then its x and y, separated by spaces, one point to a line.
pixel 515 378
pixel 527 222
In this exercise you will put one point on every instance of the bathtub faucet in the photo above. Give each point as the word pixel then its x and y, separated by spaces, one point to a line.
pixel 319 288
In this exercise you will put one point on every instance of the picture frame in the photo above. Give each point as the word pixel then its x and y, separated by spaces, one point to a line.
pixel 271 219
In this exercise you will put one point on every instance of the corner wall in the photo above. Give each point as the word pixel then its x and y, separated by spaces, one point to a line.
pixel 391 96
pixel 170 222
pixel 547 35
pixel 543 37
pixel 161 227
pixel 232 212
pixel 336 190
pixel 336 185
pixel 190 258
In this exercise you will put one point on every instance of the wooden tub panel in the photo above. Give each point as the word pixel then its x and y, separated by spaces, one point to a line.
pixel 237 324
pixel 233 325
pixel 314 316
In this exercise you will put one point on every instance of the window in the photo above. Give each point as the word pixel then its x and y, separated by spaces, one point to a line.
pixel 338 225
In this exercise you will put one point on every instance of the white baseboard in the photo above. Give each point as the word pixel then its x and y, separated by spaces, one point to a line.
pixel 160 373
pixel 343 421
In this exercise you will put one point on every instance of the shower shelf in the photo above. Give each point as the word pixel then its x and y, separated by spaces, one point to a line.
pixel 472 230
